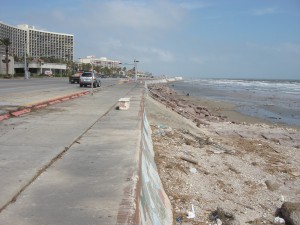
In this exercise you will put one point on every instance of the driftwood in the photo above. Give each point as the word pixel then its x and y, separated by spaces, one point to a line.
pixel 189 160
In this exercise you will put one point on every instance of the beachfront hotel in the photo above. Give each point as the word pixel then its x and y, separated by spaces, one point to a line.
pixel 26 41
pixel 37 43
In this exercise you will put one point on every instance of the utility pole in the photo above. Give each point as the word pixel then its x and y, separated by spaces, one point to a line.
pixel 135 70
pixel 25 65
pixel 93 75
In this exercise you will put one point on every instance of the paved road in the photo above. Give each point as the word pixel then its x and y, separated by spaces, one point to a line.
pixel 71 163
pixel 21 92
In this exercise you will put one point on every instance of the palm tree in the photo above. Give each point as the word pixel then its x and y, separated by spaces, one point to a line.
pixel 6 42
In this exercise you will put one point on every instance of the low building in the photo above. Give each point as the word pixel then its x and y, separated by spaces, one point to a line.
pixel 102 61
pixel 40 68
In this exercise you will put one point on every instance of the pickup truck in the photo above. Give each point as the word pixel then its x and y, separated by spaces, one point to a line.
pixel 75 78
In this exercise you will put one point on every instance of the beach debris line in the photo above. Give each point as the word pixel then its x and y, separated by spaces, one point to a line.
pixel 197 113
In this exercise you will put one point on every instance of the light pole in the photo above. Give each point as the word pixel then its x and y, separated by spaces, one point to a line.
pixel 79 64
pixel 135 70
pixel 92 81
pixel 25 67
pixel 41 66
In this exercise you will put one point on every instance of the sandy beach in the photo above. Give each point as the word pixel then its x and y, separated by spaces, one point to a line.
pixel 227 166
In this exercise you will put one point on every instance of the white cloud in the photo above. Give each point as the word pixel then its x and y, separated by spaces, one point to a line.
pixel 162 55
pixel 265 11
pixel 155 53
pixel 194 4
pixel 134 15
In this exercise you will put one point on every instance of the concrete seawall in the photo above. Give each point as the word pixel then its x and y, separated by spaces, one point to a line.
pixel 154 205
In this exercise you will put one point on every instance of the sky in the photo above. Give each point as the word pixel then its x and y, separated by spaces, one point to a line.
pixel 258 39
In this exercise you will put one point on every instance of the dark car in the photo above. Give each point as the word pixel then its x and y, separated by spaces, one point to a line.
pixel 76 77
pixel 88 78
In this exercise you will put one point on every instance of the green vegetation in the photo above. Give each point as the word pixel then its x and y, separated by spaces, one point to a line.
pixel 6 42
pixel 100 69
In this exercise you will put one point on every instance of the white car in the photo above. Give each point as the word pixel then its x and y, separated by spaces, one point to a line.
pixel 87 77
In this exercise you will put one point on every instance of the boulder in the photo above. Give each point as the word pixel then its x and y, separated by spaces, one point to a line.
pixel 290 211
pixel 190 111
pixel 272 185
pixel 205 112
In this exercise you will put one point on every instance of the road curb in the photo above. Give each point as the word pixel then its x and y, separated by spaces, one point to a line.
pixel 41 104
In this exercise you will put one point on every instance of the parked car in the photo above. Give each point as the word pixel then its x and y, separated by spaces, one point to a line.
pixel 75 78
pixel 89 78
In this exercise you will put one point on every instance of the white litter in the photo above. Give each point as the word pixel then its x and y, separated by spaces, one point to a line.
pixel 191 214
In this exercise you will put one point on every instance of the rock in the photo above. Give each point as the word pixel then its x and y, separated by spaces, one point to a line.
pixel 226 217
pixel 272 185
pixel 199 122
pixel 205 112
pixel 190 110
pixel 200 115
pixel 290 211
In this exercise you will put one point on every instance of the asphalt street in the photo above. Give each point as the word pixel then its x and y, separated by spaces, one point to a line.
pixel 22 92
pixel 72 162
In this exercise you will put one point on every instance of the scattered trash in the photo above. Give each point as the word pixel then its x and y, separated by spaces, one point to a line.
pixel 162 126
pixel 179 219
pixel 191 214
pixel 159 133
pixel 216 150
pixel 218 222
pixel 279 220
pixel 193 170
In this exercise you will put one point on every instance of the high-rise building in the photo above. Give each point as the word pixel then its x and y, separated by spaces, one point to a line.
pixel 17 37
pixel 37 43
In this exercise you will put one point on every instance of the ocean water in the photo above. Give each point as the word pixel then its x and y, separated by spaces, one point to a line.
pixel 277 101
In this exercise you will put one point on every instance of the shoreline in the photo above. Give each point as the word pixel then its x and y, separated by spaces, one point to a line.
pixel 270 107
pixel 246 168
pixel 229 112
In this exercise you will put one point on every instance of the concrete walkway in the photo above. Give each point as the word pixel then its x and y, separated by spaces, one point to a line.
pixel 76 164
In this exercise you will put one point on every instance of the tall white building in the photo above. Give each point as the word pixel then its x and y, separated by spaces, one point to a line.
pixel 37 43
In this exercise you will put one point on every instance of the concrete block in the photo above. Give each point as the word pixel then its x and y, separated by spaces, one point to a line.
pixel 124 103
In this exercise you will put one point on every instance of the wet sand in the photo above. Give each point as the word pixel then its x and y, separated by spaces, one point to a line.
pixel 273 106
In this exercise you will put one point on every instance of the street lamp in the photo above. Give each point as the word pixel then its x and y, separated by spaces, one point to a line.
pixel 92 81
pixel 135 70
pixel 79 64
pixel 25 63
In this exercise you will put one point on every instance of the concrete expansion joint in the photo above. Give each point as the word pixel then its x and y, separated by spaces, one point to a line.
pixel 39 172
pixel 48 165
